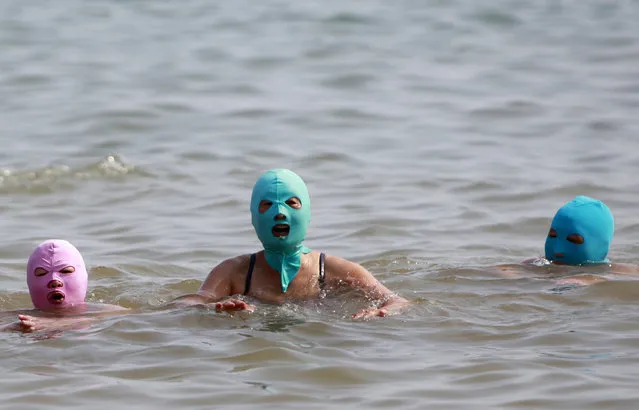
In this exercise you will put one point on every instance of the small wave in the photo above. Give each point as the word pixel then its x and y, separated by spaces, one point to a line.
pixel 509 109
pixel 32 80
pixel 346 18
pixel 325 156
pixel 477 186
pixel 352 81
pixel 498 18
pixel 252 113
pixel 56 177
pixel 564 191
pixel 356 115
pixel 266 62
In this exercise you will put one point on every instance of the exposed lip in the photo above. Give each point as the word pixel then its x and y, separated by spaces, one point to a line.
pixel 557 259
pixel 281 230
pixel 56 297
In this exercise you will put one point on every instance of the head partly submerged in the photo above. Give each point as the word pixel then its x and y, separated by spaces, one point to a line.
pixel 281 213
pixel 580 233
pixel 56 276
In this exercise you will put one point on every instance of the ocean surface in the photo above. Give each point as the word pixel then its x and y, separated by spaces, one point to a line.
pixel 437 139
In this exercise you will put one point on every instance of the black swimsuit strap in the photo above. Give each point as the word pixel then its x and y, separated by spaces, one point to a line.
pixel 249 275
pixel 321 270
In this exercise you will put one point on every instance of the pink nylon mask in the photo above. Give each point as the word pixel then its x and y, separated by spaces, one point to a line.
pixel 54 289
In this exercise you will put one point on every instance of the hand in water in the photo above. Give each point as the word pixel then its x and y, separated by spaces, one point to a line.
pixel 370 312
pixel 581 280
pixel 30 324
pixel 392 306
pixel 233 305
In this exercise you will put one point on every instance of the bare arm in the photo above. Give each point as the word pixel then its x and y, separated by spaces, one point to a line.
pixel 625 269
pixel 218 285
pixel 518 270
pixel 590 279
pixel 508 271
pixel 357 276
pixel 32 323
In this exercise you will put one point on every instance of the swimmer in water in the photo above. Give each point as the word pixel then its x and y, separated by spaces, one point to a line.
pixel 286 269
pixel 580 235
pixel 57 279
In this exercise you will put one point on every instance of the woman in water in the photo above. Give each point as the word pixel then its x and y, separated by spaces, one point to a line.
pixel 57 279
pixel 286 269
pixel 580 235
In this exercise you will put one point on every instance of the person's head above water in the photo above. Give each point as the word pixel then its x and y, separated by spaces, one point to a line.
pixel 580 233
pixel 56 275
pixel 281 213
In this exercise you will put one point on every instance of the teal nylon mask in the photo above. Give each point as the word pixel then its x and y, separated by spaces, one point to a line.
pixel 589 218
pixel 282 253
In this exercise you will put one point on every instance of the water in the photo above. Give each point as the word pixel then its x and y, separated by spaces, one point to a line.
pixel 437 139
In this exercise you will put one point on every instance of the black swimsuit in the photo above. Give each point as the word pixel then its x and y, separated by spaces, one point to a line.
pixel 249 274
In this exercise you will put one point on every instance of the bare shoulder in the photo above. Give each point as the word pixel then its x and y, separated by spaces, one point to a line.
pixel 343 268
pixel 221 279
pixel 624 268
pixel 517 270
pixel 232 265
pixel 508 270
pixel 340 271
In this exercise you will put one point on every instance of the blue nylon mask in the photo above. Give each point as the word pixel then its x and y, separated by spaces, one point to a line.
pixel 282 253
pixel 589 218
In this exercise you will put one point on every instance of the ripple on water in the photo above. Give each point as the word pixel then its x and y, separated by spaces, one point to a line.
pixel 63 177
pixel 437 139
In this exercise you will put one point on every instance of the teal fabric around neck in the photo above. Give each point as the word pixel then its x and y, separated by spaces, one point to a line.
pixel 284 254
pixel 589 218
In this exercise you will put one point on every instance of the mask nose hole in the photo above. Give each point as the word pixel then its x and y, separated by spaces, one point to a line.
pixel 280 217
pixel 54 284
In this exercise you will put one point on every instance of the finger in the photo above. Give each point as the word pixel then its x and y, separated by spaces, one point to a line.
pixel 229 304
pixel 236 304
pixel 27 326
pixel 226 305
pixel 360 314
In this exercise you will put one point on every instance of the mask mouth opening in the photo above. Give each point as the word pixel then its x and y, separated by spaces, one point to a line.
pixel 56 297
pixel 281 230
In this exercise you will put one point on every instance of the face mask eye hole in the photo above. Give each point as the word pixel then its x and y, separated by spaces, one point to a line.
pixel 552 233
pixel 68 269
pixel 40 271
pixel 264 206
pixel 294 202
pixel 575 238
